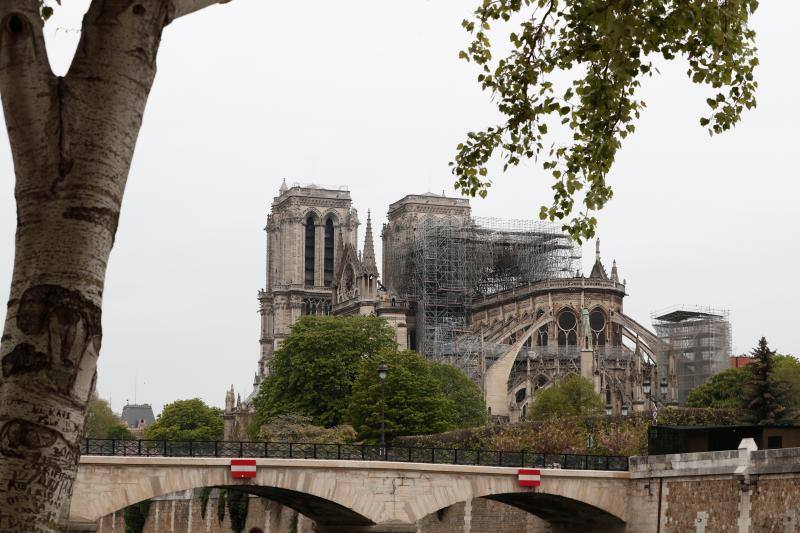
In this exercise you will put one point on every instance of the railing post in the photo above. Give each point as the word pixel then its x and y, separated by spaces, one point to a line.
pixel 113 447
pixel 362 452
pixel 455 456
pixel 266 449
pixel 216 448
pixel 433 455
pixel 339 451
pixel 191 449
pixel 241 449
pixel 478 459
pixel 165 448
pixel 315 450
pixel 86 446
pixel 409 454
pixel 291 456
pixel 140 448
pixel 522 465
pixel 500 458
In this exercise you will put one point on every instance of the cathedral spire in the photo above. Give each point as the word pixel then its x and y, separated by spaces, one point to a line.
pixel 598 270
pixel 283 188
pixel 614 272
pixel 368 257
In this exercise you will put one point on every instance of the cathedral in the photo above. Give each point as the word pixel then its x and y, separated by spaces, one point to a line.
pixel 504 300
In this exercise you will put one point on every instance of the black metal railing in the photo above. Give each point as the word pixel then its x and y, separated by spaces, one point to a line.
pixel 359 452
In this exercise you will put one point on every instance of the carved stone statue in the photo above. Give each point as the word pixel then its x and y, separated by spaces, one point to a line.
pixel 586 330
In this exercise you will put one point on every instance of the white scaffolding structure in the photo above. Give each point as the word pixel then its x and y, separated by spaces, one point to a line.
pixel 700 340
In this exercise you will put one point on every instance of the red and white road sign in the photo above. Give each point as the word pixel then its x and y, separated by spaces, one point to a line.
pixel 243 468
pixel 529 477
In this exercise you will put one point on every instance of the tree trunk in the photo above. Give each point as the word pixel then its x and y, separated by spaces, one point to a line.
pixel 72 140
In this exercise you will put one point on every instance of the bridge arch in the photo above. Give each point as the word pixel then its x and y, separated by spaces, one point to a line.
pixel 562 500
pixel 562 513
pixel 104 488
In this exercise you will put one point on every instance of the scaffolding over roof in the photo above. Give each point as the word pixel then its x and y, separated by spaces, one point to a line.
pixel 452 260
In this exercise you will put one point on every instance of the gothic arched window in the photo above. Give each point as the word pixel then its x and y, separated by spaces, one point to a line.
pixel 311 228
pixel 597 321
pixel 328 252
pixel 567 328
pixel 542 334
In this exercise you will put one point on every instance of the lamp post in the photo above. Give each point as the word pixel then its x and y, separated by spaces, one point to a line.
pixel 647 388
pixel 383 371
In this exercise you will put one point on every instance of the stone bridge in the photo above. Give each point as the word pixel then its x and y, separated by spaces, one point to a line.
pixel 356 496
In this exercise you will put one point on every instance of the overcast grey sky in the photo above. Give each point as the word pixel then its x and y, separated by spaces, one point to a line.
pixel 371 95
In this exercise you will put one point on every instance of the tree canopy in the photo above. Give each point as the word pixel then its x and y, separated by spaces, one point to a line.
pixel 571 396
pixel 414 401
pixel 766 397
pixel 312 373
pixel 187 420
pixel 729 389
pixel 721 391
pixel 568 88
pixel 103 423
pixel 469 408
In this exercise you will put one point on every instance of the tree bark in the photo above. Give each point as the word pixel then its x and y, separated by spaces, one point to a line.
pixel 72 140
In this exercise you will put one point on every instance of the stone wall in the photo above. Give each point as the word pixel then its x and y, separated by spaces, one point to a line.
pixel 739 491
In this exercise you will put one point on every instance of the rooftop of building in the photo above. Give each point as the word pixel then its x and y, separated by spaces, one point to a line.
pixel 311 190
pixel 430 198
pixel 133 413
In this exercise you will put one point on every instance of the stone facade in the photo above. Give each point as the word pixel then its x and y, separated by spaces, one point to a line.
pixel 307 232
pixel 403 219
pixel 525 338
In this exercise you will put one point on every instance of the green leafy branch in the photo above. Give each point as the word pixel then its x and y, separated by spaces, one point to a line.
pixel 608 46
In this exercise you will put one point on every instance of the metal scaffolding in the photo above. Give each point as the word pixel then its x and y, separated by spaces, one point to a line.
pixel 700 341
pixel 453 260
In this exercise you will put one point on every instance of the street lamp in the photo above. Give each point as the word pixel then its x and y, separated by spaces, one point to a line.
pixel 624 410
pixel 609 410
pixel 646 388
pixel 383 371
pixel 663 388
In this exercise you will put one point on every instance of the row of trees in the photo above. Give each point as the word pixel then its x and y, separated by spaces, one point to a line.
pixel 179 420
pixel 767 389
pixel 327 371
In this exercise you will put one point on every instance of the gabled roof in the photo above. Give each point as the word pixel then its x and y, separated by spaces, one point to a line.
pixel 133 413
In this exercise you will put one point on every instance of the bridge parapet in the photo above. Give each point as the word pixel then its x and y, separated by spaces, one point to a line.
pixel 737 462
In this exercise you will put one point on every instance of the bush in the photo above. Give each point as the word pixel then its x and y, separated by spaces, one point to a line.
pixel 610 435
pixel 298 428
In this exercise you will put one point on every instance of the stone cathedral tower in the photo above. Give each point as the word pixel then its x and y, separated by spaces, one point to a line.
pixel 306 231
